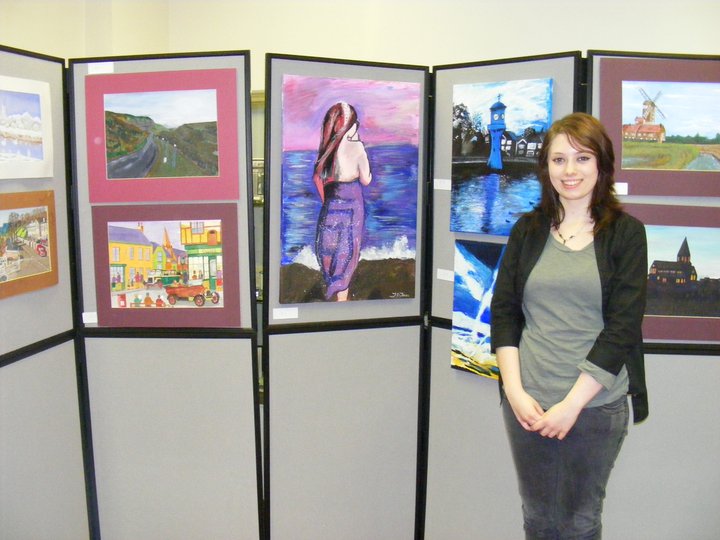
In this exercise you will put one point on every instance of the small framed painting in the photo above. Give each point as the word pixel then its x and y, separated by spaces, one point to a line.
pixel 162 136
pixel 167 265
pixel 663 115
pixel 26 143
pixel 28 243
pixel 683 299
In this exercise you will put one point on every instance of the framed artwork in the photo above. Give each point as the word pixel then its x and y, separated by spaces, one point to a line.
pixel 491 119
pixel 683 302
pixel 476 268
pixel 28 242
pixel 663 116
pixel 498 130
pixel 346 174
pixel 162 136
pixel 163 143
pixel 167 265
pixel 26 143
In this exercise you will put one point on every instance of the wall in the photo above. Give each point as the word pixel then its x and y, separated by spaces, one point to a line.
pixel 424 32
pixel 667 471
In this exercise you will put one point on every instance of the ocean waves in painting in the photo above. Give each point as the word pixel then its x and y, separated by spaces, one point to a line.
pixel 390 205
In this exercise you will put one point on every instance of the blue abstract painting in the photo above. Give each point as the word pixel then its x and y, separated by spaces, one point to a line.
pixel 476 269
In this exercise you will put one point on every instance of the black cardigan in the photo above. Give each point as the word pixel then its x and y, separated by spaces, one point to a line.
pixel 621 253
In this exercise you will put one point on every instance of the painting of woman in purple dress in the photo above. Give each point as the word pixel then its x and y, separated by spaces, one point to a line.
pixel 342 167
pixel 348 217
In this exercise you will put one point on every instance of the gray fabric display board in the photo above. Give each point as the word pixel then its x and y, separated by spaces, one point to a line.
pixel 221 194
pixel 561 70
pixel 468 456
pixel 38 311
pixel 168 310
pixel 42 485
pixel 42 494
pixel 343 293
pixel 174 437
pixel 471 492
pixel 342 417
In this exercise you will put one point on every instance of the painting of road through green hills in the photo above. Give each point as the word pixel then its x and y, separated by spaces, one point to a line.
pixel 164 134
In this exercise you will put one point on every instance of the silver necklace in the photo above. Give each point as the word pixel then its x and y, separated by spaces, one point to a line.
pixel 566 240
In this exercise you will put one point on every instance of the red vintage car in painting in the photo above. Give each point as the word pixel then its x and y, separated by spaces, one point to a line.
pixel 192 291
pixel 41 247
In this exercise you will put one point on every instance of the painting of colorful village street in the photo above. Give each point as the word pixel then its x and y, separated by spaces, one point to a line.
pixel 684 273
pixel 164 134
pixel 671 125
pixel 497 131
pixel 476 268
pixel 166 264
pixel 24 243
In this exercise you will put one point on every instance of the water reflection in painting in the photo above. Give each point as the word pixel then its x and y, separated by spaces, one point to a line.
pixel 498 130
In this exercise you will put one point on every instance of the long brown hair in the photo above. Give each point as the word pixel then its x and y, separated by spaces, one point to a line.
pixel 337 122
pixel 587 133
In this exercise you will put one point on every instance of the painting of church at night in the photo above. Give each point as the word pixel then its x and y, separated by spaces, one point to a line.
pixel 498 130
pixel 677 287
pixel 679 273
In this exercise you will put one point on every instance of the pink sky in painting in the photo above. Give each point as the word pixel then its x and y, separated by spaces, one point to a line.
pixel 388 111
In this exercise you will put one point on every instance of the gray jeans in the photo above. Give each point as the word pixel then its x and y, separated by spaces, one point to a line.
pixel 562 483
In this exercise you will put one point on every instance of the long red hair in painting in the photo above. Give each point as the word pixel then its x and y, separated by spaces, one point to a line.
pixel 338 120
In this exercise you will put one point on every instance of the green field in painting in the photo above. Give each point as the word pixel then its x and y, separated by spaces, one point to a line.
pixel 648 155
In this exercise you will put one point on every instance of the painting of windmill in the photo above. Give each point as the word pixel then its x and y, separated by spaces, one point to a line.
pixel 682 135
pixel 645 128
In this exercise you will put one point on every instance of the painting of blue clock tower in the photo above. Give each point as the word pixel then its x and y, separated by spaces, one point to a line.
pixel 496 127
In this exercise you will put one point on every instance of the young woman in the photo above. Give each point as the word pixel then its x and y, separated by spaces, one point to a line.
pixel 566 328
pixel 341 169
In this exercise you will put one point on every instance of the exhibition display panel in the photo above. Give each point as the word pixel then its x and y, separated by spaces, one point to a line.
pixel 128 267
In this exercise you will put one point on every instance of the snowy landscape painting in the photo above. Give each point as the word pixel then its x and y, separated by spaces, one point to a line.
pixel 25 128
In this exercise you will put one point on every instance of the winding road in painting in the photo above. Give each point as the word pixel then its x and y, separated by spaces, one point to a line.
pixel 135 165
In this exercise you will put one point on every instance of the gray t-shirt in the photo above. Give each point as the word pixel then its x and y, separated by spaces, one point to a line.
pixel 563 316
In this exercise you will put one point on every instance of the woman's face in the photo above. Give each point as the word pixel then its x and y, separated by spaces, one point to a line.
pixel 573 171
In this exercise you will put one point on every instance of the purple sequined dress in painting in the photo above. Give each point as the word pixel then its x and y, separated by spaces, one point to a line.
pixel 339 234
